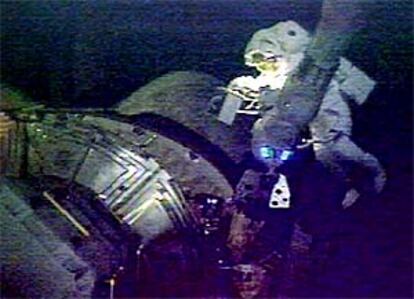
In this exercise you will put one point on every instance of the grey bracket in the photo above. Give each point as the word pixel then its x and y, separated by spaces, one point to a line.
pixel 229 109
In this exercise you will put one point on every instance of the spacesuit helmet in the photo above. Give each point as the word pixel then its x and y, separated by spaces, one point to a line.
pixel 284 42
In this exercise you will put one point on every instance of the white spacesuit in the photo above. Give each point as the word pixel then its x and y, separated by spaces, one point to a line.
pixel 275 52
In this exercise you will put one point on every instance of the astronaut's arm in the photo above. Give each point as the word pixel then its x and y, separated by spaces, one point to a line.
pixel 241 97
pixel 246 87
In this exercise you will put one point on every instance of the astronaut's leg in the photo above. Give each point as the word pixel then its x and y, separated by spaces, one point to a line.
pixel 331 131
pixel 359 169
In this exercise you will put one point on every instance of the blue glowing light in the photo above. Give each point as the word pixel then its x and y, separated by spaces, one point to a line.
pixel 285 155
pixel 266 152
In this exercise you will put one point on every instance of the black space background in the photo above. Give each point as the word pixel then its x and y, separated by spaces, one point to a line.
pixel 95 53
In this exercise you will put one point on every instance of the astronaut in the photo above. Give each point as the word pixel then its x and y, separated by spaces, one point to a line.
pixel 275 53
